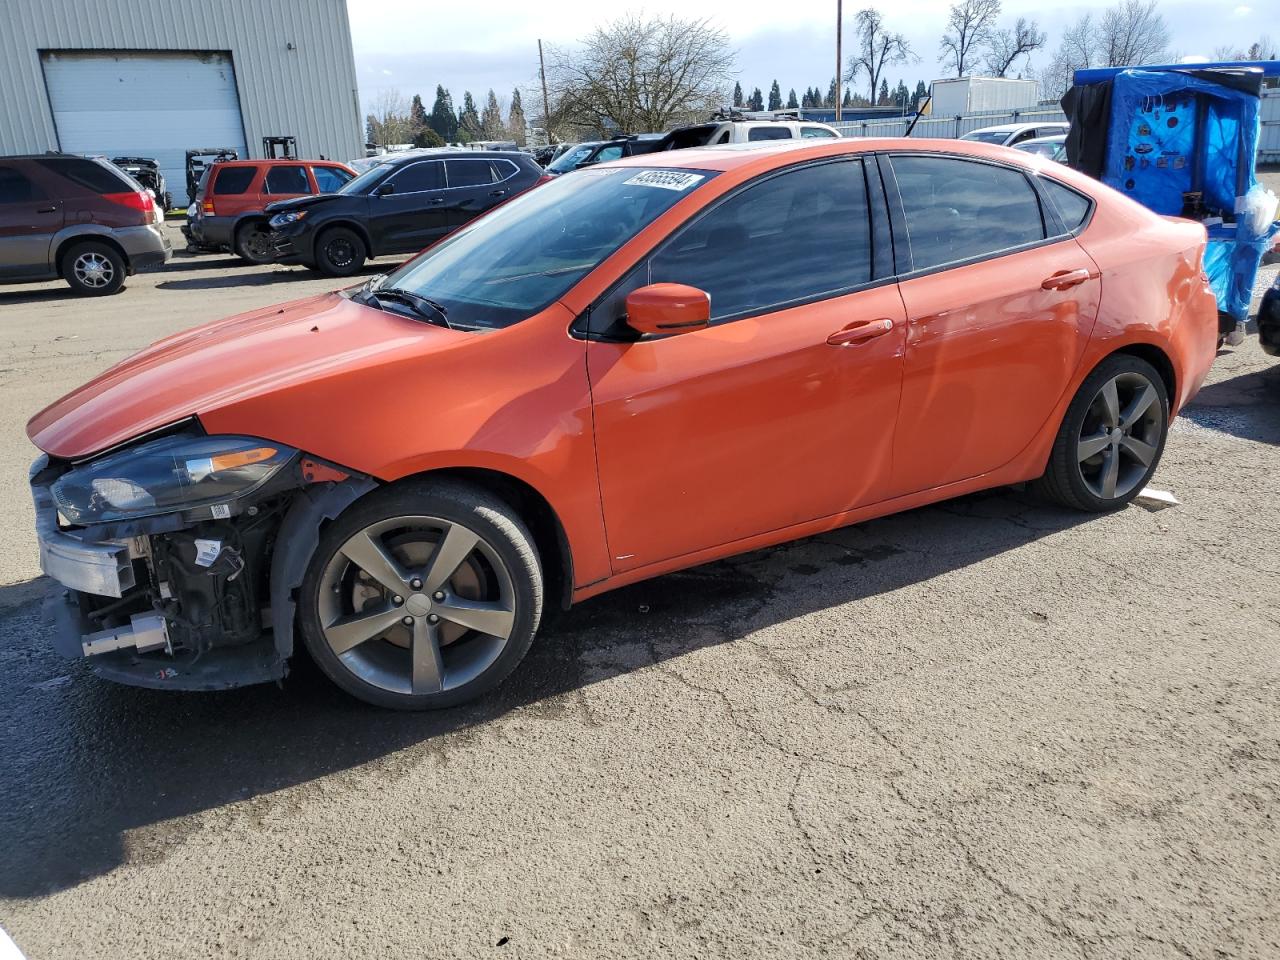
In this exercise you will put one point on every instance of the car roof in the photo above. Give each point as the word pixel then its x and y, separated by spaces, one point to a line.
pixel 250 162
pixel 731 156
pixel 1052 138
pixel 1011 127
pixel 451 153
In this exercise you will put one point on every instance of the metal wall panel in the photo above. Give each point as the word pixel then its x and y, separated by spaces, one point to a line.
pixel 294 69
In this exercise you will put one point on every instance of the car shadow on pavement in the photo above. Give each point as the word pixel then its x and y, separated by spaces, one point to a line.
pixel 1247 406
pixel 260 279
pixel 88 762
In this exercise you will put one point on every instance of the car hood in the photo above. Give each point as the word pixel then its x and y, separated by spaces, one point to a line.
pixel 293 203
pixel 219 364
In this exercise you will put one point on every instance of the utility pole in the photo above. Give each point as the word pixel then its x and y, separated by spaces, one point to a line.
pixel 839 58
pixel 546 103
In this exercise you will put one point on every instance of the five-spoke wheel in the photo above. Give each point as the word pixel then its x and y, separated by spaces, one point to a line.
pixel 422 596
pixel 1111 438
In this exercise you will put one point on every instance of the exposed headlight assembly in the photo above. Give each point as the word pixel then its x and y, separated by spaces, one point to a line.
pixel 281 219
pixel 167 475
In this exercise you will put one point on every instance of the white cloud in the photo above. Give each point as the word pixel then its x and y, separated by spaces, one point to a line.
pixel 1242 11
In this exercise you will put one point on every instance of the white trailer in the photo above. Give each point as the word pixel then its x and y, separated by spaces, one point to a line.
pixel 958 98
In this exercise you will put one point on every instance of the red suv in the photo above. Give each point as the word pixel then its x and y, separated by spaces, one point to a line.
pixel 227 213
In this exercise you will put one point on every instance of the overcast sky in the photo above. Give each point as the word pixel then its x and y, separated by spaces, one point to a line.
pixel 410 46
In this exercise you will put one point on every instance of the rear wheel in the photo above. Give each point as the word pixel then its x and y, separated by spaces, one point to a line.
pixel 253 242
pixel 339 252
pixel 422 596
pixel 1112 437
pixel 93 269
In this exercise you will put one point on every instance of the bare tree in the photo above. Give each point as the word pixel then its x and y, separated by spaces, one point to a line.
pixel 876 50
pixel 969 29
pixel 639 74
pixel 1260 49
pixel 1132 33
pixel 390 120
pixel 1006 46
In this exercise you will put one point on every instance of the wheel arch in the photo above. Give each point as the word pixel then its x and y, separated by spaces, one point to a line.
pixel 1158 358
pixel 534 509
pixel 352 225
pixel 64 247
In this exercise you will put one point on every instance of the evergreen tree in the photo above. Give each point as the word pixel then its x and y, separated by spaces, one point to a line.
pixel 426 137
pixel 491 124
pixel 847 100
pixel 370 129
pixel 883 99
pixel 757 99
pixel 468 119
pixel 901 95
pixel 792 102
pixel 737 95
pixel 443 120
pixel 417 113
pixel 918 97
pixel 775 97
pixel 517 129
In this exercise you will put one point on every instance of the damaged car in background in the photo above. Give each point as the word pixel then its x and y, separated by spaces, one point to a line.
pixel 638 368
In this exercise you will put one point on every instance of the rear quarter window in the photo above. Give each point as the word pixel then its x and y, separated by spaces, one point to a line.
pixel 768 133
pixel 1073 208
pixel 231 181
pixel 88 175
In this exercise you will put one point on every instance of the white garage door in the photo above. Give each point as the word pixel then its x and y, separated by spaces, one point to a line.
pixel 158 105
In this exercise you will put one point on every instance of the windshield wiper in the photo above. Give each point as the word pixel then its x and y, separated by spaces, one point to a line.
pixel 422 306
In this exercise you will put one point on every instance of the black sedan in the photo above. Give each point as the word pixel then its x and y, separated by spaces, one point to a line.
pixel 400 205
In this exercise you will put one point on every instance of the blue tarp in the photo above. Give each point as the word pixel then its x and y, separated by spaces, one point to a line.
pixel 1173 133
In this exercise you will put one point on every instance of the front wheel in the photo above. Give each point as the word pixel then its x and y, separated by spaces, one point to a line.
pixel 339 252
pixel 421 596
pixel 1111 439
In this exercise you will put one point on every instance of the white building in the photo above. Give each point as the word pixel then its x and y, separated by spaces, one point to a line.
pixel 155 78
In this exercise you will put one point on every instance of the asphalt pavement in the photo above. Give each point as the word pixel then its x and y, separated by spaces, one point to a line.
pixel 985 728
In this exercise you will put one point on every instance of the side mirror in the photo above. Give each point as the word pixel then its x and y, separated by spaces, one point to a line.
pixel 383 189
pixel 668 308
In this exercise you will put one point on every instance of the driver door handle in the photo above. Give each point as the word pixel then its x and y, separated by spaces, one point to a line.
pixel 52 209
pixel 860 331
pixel 432 201
pixel 1067 279
pixel 497 193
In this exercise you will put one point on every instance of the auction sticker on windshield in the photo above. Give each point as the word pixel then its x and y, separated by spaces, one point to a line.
pixel 665 179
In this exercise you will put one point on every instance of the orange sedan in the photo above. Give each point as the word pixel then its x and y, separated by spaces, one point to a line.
pixel 630 370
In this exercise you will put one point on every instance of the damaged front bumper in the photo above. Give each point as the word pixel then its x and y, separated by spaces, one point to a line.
pixel 198 600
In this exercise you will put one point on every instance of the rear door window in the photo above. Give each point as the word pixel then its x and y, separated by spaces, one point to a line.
pixel 958 210
pixel 330 179
pixel 795 237
pixel 232 181
pixel 417 177
pixel 815 133
pixel 16 187
pixel 768 133
pixel 91 176
pixel 288 179
pixel 468 173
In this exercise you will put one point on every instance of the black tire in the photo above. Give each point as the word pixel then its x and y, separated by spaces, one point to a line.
pixel 93 269
pixel 1081 482
pixel 339 252
pixel 253 242
pixel 501 533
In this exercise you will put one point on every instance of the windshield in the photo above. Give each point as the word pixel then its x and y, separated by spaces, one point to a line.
pixel 567 161
pixel 987 136
pixel 526 254
pixel 365 180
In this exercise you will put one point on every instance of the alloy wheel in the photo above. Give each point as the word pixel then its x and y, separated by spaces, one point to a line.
pixel 341 252
pixel 1120 436
pixel 93 270
pixel 417 605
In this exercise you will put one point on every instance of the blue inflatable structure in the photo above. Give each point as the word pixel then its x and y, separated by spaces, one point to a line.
pixel 1181 140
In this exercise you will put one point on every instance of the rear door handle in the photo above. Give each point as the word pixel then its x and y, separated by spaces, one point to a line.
pixel 497 193
pixel 52 209
pixel 434 200
pixel 1066 279
pixel 860 331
